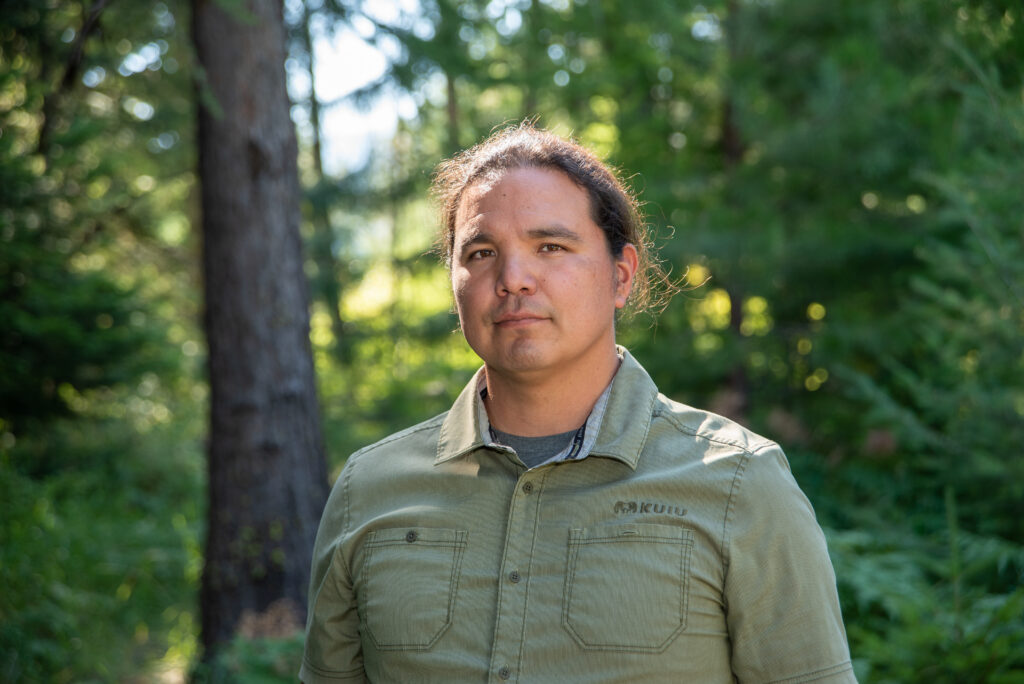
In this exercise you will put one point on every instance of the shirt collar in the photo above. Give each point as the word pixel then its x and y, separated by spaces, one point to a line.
pixel 627 417
pixel 619 433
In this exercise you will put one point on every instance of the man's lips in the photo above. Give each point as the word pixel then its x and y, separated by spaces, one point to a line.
pixel 515 320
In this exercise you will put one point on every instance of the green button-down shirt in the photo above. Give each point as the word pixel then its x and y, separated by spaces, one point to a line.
pixel 679 550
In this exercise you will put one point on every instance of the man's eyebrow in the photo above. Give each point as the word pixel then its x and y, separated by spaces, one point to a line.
pixel 476 238
pixel 556 232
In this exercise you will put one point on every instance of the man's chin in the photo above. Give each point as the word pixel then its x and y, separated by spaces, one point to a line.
pixel 525 356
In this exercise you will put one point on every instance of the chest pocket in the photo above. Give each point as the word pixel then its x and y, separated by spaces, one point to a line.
pixel 407 586
pixel 627 586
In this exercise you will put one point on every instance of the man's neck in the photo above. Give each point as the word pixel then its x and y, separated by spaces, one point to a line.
pixel 546 404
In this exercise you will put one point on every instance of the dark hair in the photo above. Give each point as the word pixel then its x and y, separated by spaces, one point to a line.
pixel 612 206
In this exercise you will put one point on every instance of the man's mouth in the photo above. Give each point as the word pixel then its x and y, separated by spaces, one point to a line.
pixel 517 319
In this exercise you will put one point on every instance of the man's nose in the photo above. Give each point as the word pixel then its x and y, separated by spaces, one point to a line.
pixel 515 275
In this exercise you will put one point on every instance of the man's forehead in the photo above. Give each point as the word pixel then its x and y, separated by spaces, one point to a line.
pixel 473 194
pixel 469 225
pixel 477 194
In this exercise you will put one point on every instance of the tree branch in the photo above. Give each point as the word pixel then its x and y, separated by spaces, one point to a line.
pixel 71 71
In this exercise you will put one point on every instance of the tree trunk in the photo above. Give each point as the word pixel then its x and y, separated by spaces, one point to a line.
pixel 453 113
pixel 733 149
pixel 328 283
pixel 267 476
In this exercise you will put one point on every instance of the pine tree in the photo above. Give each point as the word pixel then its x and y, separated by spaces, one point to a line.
pixel 267 478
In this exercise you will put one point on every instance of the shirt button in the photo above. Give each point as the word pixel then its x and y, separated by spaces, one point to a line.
pixel 514 576
pixel 504 672
pixel 528 487
pixel 411 536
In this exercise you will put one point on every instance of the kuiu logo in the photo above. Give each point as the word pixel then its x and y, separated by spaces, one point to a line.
pixel 625 507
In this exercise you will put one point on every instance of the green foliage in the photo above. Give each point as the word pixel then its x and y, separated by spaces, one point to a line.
pixel 99 562
pixel 907 624
pixel 78 193
pixel 255 660
pixel 951 399
pixel 99 461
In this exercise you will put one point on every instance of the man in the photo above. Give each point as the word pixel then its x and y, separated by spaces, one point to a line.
pixel 564 522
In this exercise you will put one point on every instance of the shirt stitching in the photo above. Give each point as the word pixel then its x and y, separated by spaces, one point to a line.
pixel 633 458
pixel 346 479
pixel 764 446
pixel 429 424
pixel 729 510
pixel 746 451
pixel 664 412
pixel 839 668
pixel 344 566
pixel 332 674
pixel 649 411
pixel 502 587
pixel 539 488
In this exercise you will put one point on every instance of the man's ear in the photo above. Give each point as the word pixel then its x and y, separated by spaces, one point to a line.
pixel 626 265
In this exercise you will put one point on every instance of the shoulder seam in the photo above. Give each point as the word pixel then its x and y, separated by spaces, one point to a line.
pixel 769 443
pixel 428 424
pixel 353 460
pixel 748 449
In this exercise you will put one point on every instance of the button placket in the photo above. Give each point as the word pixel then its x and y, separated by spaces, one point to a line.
pixel 520 530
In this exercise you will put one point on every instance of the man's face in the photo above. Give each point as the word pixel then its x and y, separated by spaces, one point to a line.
pixel 536 286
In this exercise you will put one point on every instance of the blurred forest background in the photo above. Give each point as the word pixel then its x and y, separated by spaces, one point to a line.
pixel 848 174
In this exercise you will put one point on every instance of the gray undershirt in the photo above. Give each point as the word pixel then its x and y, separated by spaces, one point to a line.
pixel 533 451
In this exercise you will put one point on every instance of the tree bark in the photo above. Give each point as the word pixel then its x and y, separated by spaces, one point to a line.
pixel 267 475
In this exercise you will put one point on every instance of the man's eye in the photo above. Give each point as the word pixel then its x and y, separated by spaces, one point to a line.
pixel 551 248
pixel 481 254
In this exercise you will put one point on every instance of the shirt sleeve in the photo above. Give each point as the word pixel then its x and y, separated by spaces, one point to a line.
pixel 782 605
pixel 333 651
